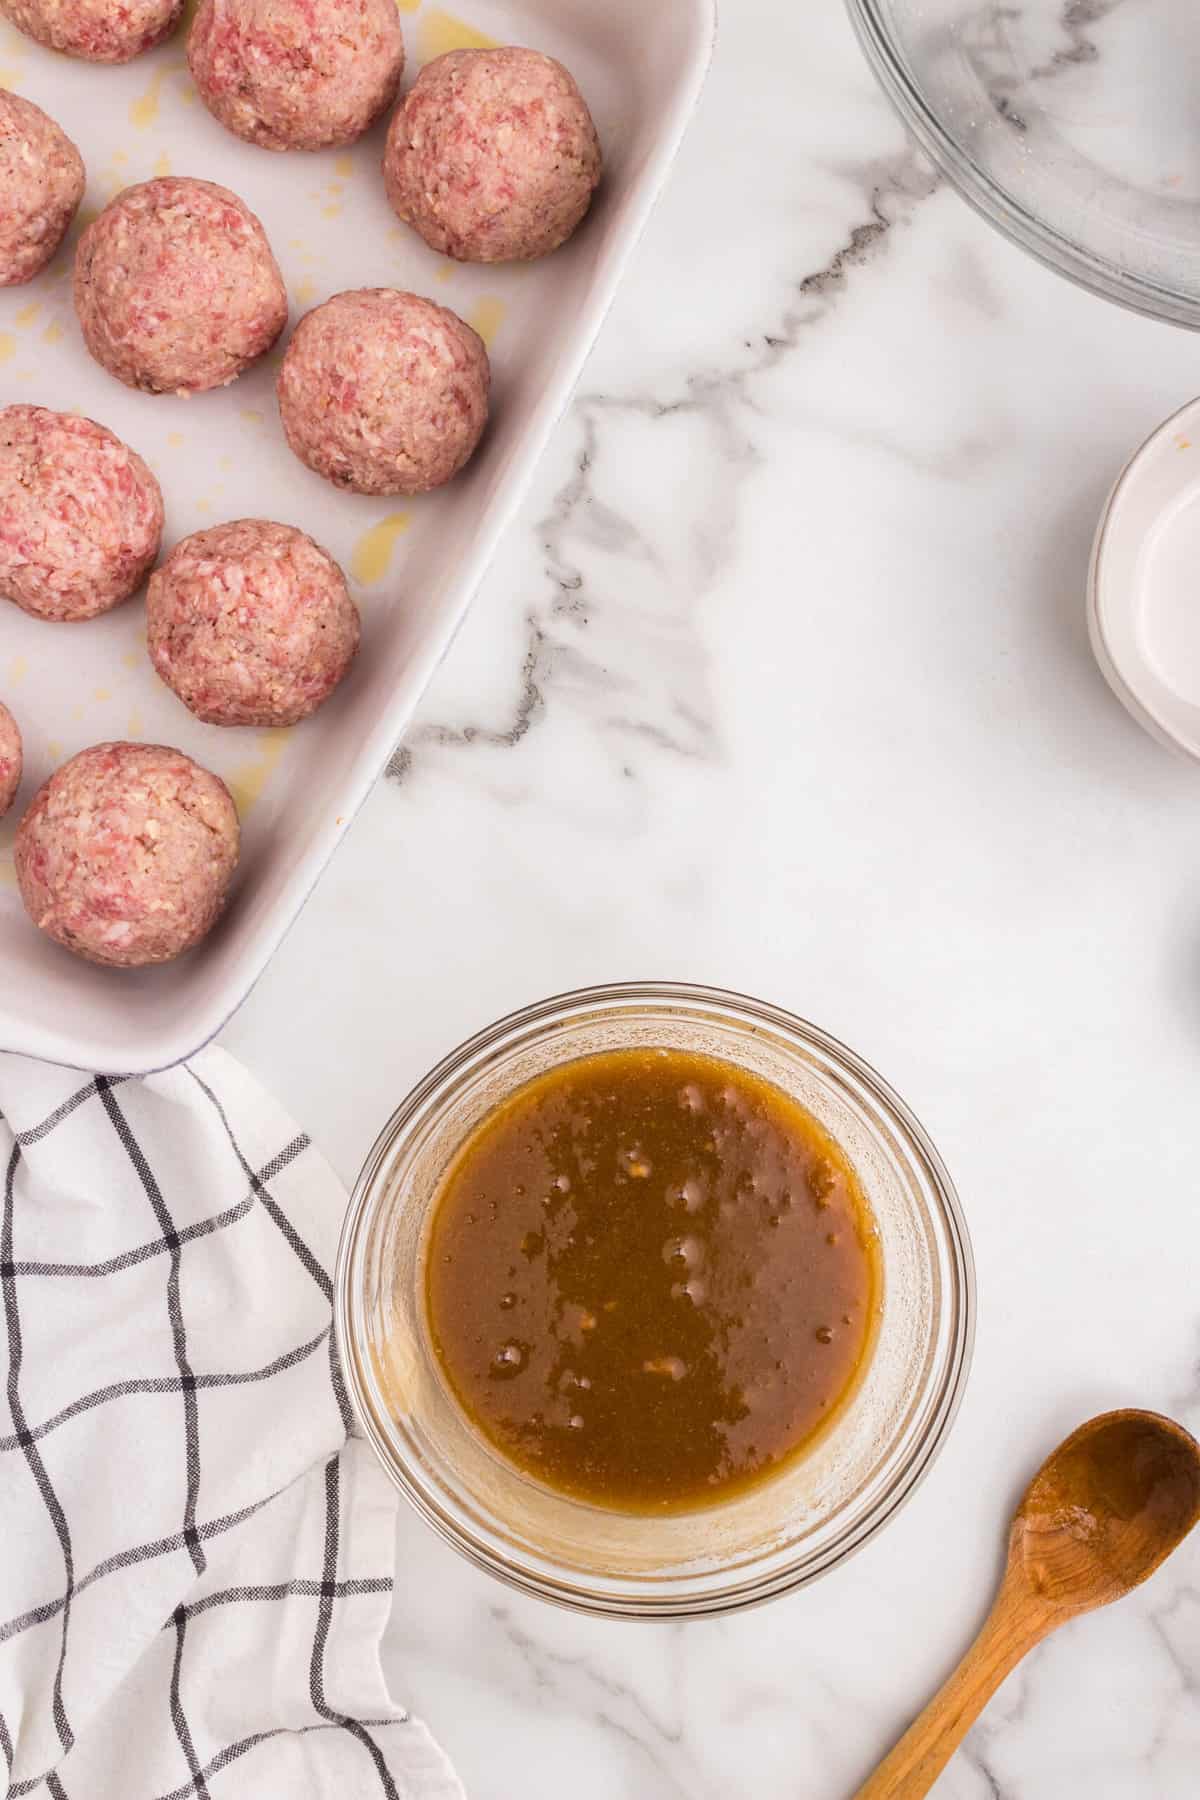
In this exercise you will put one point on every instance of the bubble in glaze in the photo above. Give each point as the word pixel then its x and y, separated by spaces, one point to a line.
pixel 509 1360
pixel 687 1252
pixel 672 1366
pixel 688 1196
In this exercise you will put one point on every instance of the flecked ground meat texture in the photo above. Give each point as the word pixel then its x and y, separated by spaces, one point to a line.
pixel 176 287
pixel 41 185
pixel 493 156
pixel 251 623
pixel 81 515
pixel 96 30
pixel 125 856
pixel 297 74
pixel 10 759
pixel 384 392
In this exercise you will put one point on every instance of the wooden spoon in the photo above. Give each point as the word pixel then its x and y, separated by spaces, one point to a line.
pixel 1108 1507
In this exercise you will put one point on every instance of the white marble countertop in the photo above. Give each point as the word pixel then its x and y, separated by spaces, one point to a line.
pixel 782 683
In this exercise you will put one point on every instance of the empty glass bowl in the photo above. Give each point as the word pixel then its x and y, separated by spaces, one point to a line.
pixel 778 1535
pixel 1073 125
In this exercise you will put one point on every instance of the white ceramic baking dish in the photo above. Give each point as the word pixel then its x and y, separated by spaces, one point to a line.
pixel 414 566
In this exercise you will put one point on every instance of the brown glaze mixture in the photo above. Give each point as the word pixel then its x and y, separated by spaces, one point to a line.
pixel 651 1278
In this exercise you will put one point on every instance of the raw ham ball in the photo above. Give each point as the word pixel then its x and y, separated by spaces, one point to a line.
pixel 10 759
pixel 125 856
pixel 251 623
pixel 493 156
pixel 81 515
pixel 41 185
pixel 96 30
pixel 297 74
pixel 384 392
pixel 176 287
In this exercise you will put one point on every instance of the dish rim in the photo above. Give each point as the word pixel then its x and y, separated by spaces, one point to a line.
pixel 993 203
pixel 1116 673
pixel 947 1391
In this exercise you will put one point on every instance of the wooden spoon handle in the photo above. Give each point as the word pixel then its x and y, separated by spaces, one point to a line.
pixel 1011 1631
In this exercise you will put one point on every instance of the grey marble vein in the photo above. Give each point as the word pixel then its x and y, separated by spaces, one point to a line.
pixel 1078 18
pixel 722 401
pixel 605 1698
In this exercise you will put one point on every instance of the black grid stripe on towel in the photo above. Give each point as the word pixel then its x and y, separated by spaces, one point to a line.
pixel 174 1239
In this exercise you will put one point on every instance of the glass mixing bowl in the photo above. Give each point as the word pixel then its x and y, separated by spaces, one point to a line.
pixel 1073 125
pixel 794 1526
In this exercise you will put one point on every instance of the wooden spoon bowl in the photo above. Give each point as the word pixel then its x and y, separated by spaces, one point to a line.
pixel 1107 1508
pixel 1097 1520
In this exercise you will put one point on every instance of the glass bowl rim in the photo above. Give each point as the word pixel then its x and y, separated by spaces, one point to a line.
pixel 1052 248
pixel 947 1391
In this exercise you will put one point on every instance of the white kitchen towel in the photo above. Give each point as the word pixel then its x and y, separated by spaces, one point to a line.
pixel 195 1563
